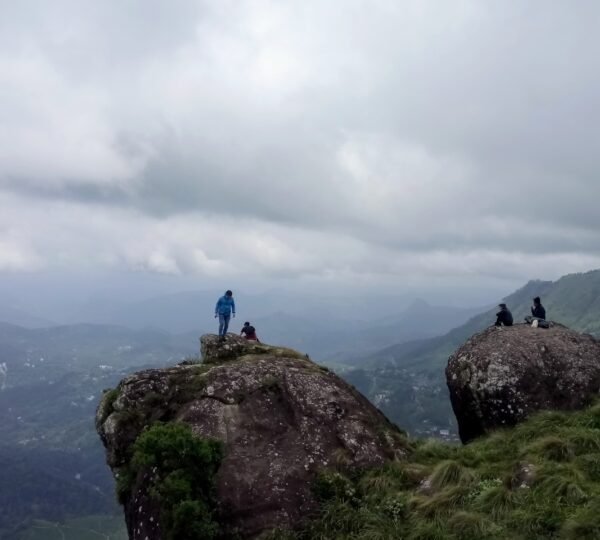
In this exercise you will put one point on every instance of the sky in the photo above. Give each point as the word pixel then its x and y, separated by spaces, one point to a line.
pixel 417 146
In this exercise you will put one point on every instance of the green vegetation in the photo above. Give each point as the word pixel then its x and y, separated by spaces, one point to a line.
pixel 107 403
pixel 183 482
pixel 540 480
pixel 407 381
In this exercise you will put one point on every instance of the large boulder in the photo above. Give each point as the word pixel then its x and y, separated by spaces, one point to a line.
pixel 503 374
pixel 281 418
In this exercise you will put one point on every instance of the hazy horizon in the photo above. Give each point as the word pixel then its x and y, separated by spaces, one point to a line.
pixel 372 149
pixel 64 299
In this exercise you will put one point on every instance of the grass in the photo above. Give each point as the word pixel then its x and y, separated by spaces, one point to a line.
pixel 539 480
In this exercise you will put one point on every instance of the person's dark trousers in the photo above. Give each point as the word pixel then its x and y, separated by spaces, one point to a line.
pixel 223 323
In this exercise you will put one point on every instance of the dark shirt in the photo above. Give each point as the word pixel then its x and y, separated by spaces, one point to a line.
pixel 504 317
pixel 250 332
pixel 538 311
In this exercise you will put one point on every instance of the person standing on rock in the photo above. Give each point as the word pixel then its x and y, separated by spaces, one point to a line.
pixel 224 310
pixel 504 316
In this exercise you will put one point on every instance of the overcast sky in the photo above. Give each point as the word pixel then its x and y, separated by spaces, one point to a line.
pixel 327 141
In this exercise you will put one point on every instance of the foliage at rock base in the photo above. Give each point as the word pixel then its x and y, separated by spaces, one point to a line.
pixel 182 468
pixel 539 480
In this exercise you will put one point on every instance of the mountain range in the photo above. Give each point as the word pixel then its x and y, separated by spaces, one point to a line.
pixel 407 380
pixel 53 377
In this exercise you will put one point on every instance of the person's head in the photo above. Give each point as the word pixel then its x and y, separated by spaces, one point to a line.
pixel 502 306
pixel 228 294
pixel 537 301
pixel 246 323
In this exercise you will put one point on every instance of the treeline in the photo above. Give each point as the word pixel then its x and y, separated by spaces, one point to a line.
pixel 50 485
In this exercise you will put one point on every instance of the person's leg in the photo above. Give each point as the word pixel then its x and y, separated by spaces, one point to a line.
pixel 225 323
pixel 221 324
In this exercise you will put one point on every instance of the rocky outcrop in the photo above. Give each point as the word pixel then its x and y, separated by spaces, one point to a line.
pixel 214 351
pixel 281 418
pixel 502 375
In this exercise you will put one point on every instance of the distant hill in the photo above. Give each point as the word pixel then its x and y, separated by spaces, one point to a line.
pixel 573 300
pixel 407 380
pixel 347 341
pixel 331 329
pixel 51 380
pixel 19 317
pixel 46 354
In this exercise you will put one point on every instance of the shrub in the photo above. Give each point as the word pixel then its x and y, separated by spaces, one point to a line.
pixel 333 485
pixel 183 481
pixel 108 404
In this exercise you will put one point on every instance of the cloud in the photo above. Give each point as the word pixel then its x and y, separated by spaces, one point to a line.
pixel 301 139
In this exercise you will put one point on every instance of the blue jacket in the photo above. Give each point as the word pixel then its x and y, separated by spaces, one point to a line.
pixel 225 305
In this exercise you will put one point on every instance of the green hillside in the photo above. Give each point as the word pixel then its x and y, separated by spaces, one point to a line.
pixel 573 300
pixel 407 381
pixel 53 464
pixel 540 480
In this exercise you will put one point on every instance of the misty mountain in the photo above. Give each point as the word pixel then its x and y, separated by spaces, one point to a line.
pixel 19 317
pixel 346 341
pixel 407 380
pixel 573 300
pixel 53 377
pixel 329 328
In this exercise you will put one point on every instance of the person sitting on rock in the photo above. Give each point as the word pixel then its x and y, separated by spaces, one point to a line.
pixel 538 311
pixel 538 314
pixel 504 316
pixel 249 332
pixel 224 309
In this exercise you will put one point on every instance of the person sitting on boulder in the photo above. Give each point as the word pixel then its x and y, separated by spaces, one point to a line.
pixel 504 316
pixel 249 332
pixel 538 311
pixel 538 315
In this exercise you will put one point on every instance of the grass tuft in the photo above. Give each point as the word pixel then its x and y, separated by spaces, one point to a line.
pixel 450 473
pixel 551 448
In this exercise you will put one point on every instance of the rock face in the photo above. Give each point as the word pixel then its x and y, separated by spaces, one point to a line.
pixel 281 418
pixel 502 375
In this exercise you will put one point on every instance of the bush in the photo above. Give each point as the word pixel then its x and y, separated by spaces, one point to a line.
pixel 107 404
pixel 333 485
pixel 184 468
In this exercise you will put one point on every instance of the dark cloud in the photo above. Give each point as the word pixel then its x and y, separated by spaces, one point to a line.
pixel 414 137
